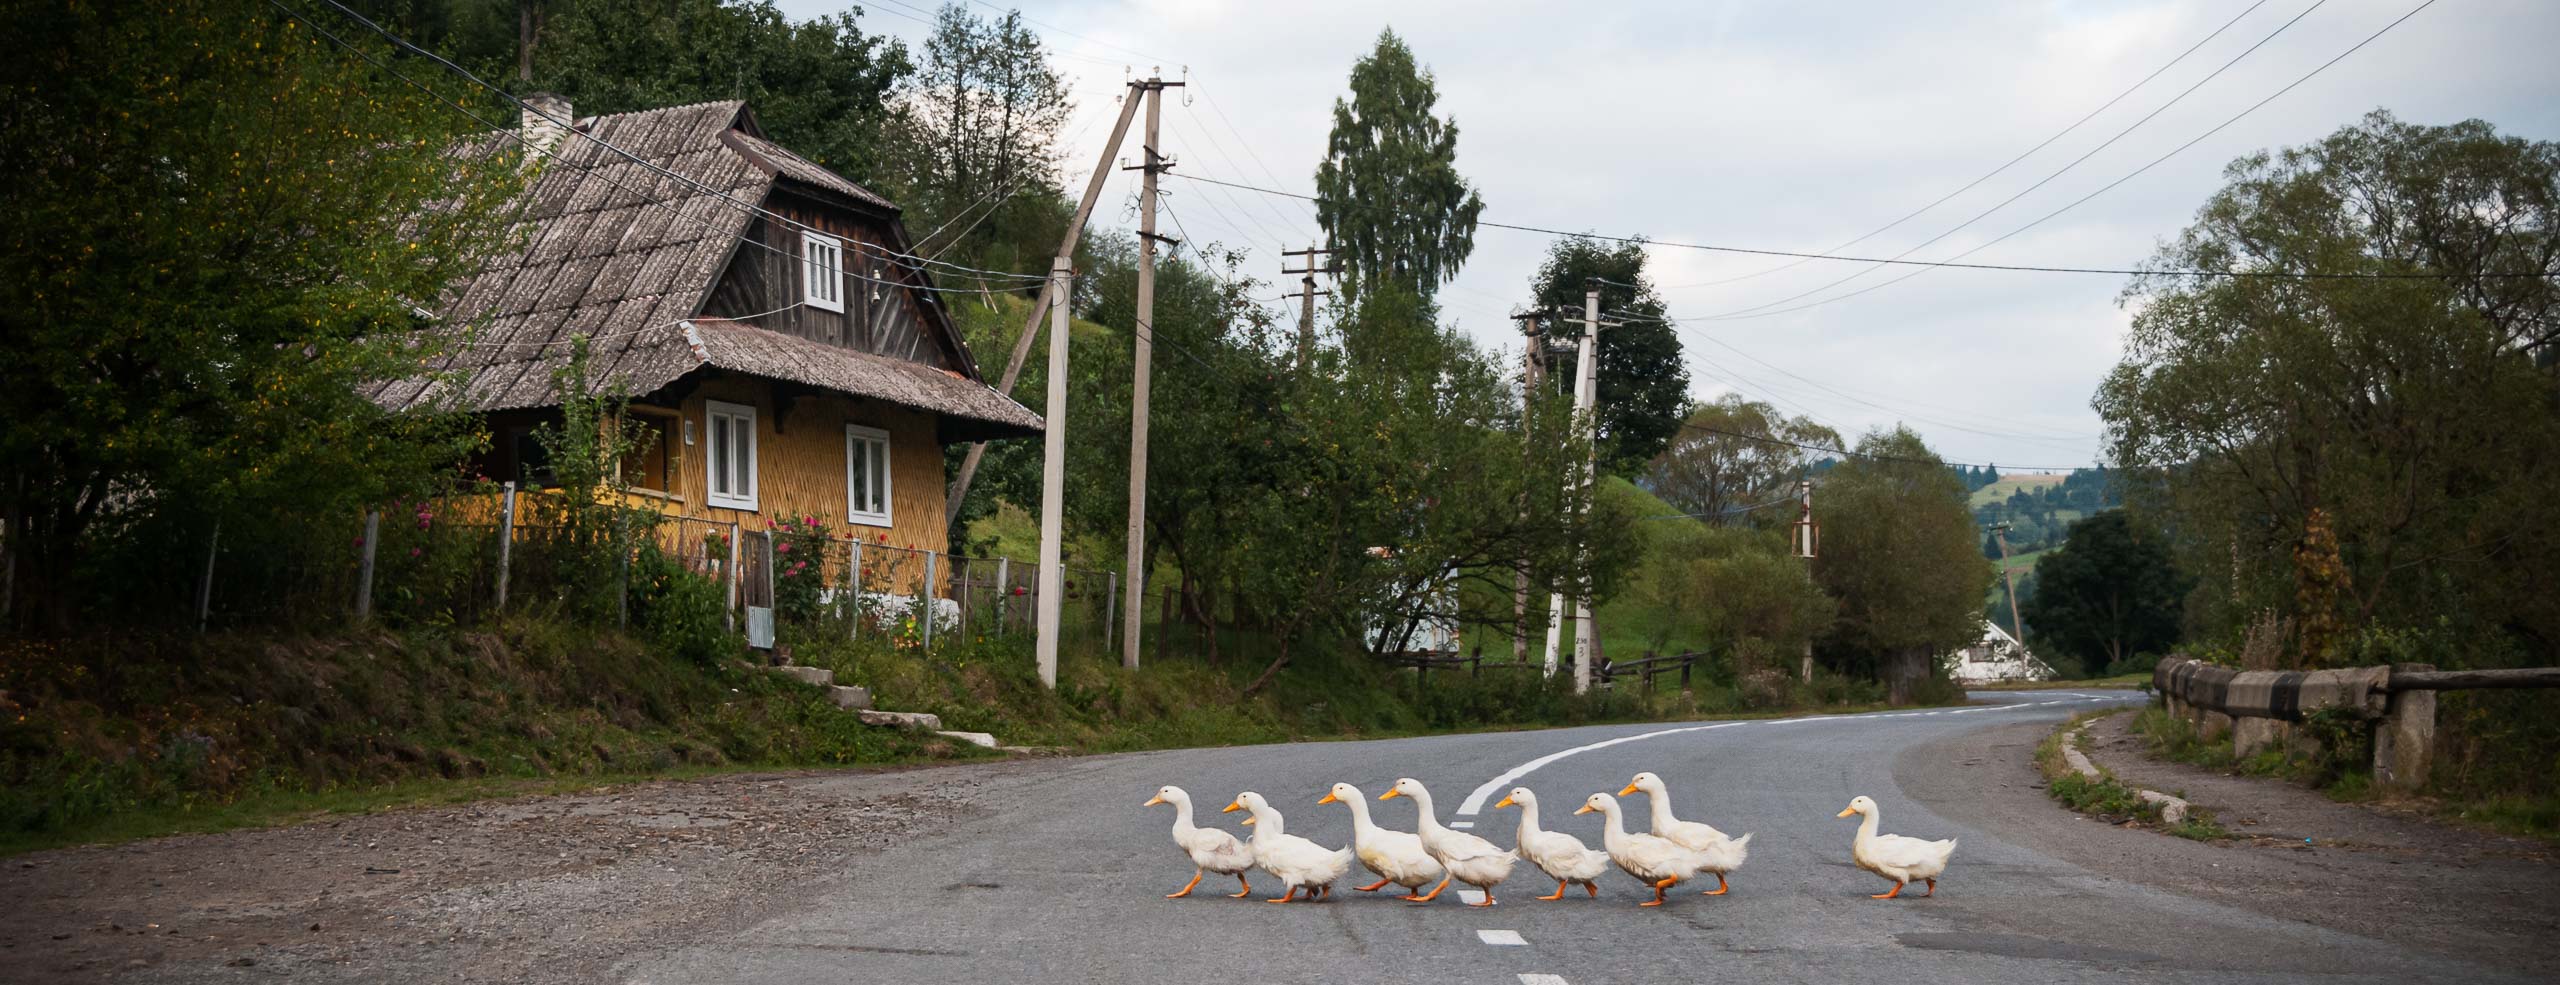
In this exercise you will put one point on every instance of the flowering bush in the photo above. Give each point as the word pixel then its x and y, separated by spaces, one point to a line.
pixel 799 567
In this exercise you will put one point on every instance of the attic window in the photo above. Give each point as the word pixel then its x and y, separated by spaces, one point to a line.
pixel 822 271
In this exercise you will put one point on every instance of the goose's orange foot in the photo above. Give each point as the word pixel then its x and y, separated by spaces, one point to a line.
pixel 1375 886
pixel 1897 891
pixel 1594 888
pixel 1488 899
pixel 1559 894
pixel 1285 897
pixel 1433 894
pixel 1246 889
pixel 1720 887
pixel 1186 890
pixel 1933 889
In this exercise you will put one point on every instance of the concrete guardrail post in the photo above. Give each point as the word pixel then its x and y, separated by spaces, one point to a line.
pixel 2404 740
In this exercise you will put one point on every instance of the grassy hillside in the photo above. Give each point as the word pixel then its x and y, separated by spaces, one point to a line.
pixel 1999 491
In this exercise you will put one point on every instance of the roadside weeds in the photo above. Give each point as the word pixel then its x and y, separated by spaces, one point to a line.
pixel 2088 788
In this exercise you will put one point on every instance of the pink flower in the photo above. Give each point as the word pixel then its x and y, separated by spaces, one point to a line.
pixel 1019 590
pixel 782 548
pixel 413 552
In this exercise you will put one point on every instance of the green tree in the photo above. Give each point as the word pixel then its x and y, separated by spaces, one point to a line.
pixel 973 142
pixel 2110 593
pixel 1898 552
pixel 1732 454
pixel 219 225
pixel 1388 193
pixel 1644 382
pixel 2358 452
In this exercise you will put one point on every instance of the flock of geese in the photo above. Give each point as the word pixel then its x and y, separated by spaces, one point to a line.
pixel 1675 851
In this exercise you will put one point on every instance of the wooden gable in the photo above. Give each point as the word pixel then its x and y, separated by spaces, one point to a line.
pixel 888 309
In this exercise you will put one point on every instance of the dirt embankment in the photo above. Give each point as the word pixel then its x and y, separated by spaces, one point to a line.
pixel 540 889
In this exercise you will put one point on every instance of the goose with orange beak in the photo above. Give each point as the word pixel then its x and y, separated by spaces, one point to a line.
pixel 1659 862
pixel 1896 857
pixel 1469 859
pixel 1209 849
pixel 1724 854
pixel 1396 856
pixel 1300 864
pixel 1563 857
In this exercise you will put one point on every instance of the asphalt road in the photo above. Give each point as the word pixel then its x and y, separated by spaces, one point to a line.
pixel 1061 877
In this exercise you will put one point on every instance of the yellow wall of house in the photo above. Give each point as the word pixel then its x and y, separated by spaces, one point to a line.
pixel 800 463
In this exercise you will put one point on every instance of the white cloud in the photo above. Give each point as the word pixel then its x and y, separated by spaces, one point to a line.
pixel 1799 126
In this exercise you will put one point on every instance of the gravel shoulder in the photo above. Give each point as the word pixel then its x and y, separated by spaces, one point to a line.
pixel 2394 876
pixel 536 889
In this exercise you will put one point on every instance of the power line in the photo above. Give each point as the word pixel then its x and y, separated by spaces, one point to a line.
pixel 2173 152
pixel 2023 155
pixel 1870 456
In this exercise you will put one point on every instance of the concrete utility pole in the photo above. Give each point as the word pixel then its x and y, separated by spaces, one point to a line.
pixel 2000 531
pixel 1307 295
pixel 1586 393
pixel 959 491
pixel 1153 164
pixel 1807 538
pixel 1053 481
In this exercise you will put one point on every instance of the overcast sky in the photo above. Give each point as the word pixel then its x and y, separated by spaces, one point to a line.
pixel 1796 126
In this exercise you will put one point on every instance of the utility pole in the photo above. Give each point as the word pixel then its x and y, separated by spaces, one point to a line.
pixel 1053 482
pixel 1808 538
pixel 1152 165
pixel 1585 394
pixel 2000 532
pixel 959 491
pixel 1307 295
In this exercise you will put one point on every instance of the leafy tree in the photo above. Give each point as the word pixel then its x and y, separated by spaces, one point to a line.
pixel 974 141
pixel 1898 552
pixel 1736 586
pixel 2109 594
pixel 2358 452
pixel 1388 193
pixel 1732 454
pixel 218 226
pixel 1643 380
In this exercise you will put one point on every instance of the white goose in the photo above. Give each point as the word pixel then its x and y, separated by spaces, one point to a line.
pixel 1724 853
pixel 1396 856
pixel 1563 857
pixel 1660 862
pixel 1469 859
pixel 1896 857
pixel 1210 849
pixel 1300 864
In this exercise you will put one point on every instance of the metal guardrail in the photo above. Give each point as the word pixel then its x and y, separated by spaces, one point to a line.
pixel 2260 707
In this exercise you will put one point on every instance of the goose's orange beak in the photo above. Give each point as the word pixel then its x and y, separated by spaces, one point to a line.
pixel 1846 811
pixel 1389 795
pixel 1586 809
pixel 1152 801
pixel 1630 791
pixel 1504 802
pixel 1232 808
pixel 1328 798
pixel 1248 822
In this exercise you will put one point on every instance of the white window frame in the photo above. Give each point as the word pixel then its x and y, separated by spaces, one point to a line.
pixel 856 437
pixel 822 271
pixel 741 418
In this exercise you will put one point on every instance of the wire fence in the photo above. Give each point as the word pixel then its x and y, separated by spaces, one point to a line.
pixel 466 561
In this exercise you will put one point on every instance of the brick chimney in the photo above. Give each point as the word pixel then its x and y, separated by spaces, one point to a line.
pixel 547 119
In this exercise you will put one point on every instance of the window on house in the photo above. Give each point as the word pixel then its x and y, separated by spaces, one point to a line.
pixel 731 456
pixel 822 271
pixel 651 465
pixel 866 475
pixel 532 459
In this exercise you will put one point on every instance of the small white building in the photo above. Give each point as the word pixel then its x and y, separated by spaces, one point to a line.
pixel 1996 657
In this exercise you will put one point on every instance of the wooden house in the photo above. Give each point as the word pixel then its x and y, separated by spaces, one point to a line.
pixel 786 352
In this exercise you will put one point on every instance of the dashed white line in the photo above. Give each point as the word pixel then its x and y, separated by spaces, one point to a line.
pixel 1470 896
pixel 1542 980
pixel 1501 938
pixel 1462 824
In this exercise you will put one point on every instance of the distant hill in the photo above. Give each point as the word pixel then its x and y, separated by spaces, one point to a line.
pixel 2012 482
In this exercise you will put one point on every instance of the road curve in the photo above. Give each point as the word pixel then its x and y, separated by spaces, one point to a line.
pixel 1060 875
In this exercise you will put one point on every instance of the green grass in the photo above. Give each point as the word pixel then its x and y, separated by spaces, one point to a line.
pixel 2346 779
pixel 1999 491
pixel 2106 797
pixel 2118 681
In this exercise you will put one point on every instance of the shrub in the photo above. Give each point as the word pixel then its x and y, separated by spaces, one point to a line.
pixel 683 613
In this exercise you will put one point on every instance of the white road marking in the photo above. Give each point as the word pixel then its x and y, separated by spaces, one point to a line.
pixel 1462 824
pixel 1475 801
pixel 1470 896
pixel 1501 938
pixel 1542 980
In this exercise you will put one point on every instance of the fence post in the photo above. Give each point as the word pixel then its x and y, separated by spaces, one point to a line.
pixel 204 589
pixel 1111 611
pixel 364 568
pixel 1004 591
pixel 737 550
pixel 506 540
pixel 621 567
pixel 770 602
pixel 2404 740
pixel 924 597
pixel 1164 625
pixel 856 578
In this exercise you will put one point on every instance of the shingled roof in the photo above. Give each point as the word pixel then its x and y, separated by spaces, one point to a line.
pixel 624 254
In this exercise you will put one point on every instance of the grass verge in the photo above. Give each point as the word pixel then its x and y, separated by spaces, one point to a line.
pixel 2340 771
pixel 2118 681
pixel 2107 798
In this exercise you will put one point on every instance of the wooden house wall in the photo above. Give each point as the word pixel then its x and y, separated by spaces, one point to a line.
pixel 885 319
pixel 800 464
